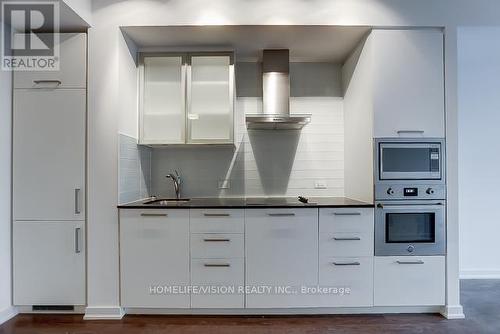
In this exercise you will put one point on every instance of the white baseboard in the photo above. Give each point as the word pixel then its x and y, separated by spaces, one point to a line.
pixel 480 274
pixel 103 313
pixel 7 314
pixel 452 312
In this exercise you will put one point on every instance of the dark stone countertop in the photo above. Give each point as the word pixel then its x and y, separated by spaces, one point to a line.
pixel 248 203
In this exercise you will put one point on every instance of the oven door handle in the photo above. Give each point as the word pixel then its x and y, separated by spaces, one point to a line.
pixel 405 206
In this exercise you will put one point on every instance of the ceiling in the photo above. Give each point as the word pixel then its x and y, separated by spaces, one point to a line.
pixel 306 43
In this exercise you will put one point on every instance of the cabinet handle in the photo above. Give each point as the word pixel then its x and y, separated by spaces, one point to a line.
pixel 77 240
pixel 217 265
pixel 58 82
pixel 347 213
pixel 410 131
pixel 154 215
pixel 216 214
pixel 77 201
pixel 291 214
pixel 217 240
pixel 346 263
pixel 410 262
pixel 346 238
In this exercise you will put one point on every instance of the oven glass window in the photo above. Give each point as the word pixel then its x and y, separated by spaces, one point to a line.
pixel 410 227
pixel 410 159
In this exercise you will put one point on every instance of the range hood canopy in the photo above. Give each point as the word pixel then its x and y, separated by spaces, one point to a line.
pixel 276 95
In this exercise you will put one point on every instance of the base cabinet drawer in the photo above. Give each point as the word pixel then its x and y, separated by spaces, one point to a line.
pixel 217 283
pixel 409 281
pixel 217 221
pixel 346 244
pixel 349 282
pixel 216 245
pixel 340 220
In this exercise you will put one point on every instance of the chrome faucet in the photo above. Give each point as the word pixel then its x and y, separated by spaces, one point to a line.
pixel 177 183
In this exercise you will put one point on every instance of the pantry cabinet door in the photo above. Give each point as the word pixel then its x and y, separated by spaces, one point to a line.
pixel 49 263
pixel 49 154
pixel 72 72
pixel 408 87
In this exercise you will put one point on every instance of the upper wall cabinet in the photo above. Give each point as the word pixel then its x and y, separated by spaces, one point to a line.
pixel 408 83
pixel 186 99
pixel 72 71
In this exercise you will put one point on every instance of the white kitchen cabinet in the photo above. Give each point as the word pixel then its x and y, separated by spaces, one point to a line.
pixel 162 117
pixel 225 278
pixel 72 71
pixel 49 263
pixel 154 257
pixel 281 253
pixel 349 280
pixel 409 281
pixel 186 98
pixel 210 99
pixel 408 83
pixel 49 154
pixel 346 232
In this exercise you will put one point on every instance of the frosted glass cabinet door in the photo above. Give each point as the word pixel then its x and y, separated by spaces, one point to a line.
pixel 210 96
pixel 163 106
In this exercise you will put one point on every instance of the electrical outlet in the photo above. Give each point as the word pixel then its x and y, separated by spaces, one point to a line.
pixel 224 184
pixel 319 184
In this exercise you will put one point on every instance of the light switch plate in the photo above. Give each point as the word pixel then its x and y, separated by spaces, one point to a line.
pixel 224 184
pixel 320 184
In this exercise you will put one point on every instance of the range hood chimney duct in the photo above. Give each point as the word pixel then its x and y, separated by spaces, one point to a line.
pixel 276 95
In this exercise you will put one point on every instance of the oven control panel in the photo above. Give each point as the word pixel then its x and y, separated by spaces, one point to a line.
pixel 403 191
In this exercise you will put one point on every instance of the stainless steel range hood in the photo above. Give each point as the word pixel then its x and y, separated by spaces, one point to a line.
pixel 276 96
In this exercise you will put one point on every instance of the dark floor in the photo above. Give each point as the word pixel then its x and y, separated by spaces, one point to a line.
pixel 480 298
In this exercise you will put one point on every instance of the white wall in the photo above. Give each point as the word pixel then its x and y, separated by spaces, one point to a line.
pixel 5 194
pixel 479 151
pixel 108 15
pixel 358 115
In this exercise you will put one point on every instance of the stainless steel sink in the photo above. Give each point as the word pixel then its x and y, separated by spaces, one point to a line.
pixel 167 201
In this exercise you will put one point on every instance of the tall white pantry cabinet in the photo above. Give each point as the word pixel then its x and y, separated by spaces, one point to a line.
pixel 49 184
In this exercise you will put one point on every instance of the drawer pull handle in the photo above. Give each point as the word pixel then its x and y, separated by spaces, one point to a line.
pixel 410 131
pixel 77 240
pixel 217 265
pixel 154 215
pixel 346 263
pixel 346 238
pixel 291 214
pixel 410 262
pixel 58 82
pixel 77 201
pixel 217 240
pixel 347 213
pixel 216 214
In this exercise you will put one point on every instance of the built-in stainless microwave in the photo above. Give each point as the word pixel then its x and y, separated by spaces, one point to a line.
pixel 409 159
pixel 410 228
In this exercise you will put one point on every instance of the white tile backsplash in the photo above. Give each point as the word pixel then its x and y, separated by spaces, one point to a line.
pixel 134 170
pixel 264 163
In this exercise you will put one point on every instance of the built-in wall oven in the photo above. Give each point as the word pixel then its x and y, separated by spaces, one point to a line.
pixel 410 195
pixel 410 228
